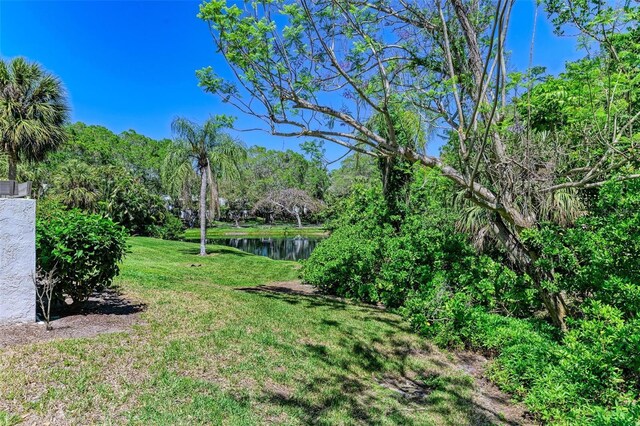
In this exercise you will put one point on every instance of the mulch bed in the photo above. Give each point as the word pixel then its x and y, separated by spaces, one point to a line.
pixel 108 312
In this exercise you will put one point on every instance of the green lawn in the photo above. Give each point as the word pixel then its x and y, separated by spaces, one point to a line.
pixel 212 350
pixel 225 230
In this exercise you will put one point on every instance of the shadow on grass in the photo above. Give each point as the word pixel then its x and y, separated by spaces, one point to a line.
pixel 293 296
pixel 350 378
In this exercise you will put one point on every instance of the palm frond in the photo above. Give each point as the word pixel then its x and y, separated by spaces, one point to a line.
pixel 563 206
pixel 33 110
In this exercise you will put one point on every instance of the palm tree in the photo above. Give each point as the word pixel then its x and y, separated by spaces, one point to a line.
pixel 76 185
pixel 33 110
pixel 224 159
pixel 203 152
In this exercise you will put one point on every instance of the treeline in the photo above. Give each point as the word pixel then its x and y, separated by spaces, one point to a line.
pixel 151 188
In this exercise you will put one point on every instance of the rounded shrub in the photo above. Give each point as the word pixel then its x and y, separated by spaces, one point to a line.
pixel 346 264
pixel 83 249
pixel 171 228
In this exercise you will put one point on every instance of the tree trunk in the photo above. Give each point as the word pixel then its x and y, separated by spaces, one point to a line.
pixel 298 219
pixel 13 166
pixel 203 212
pixel 556 305
pixel 525 259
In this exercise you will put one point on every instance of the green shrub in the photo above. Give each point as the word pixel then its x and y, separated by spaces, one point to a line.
pixel 591 375
pixel 84 249
pixel 172 228
pixel 417 262
pixel 131 204
pixel 346 264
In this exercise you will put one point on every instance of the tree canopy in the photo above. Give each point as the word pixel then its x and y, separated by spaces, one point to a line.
pixel 33 111
pixel 324 69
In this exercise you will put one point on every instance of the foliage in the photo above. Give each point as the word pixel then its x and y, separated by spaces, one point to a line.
pixel 600 256
pixel 96 170
pixel 440 70
pixel 430 273
pixel 346 264
pixel 33 111
pixel 290 202
pixel 588 377
pixel 83 249
pixel 98 146
pixel 75 184
pixel 367 254
pixel 172 228
pixel 130 203
pixel 265 171
pixel 354 169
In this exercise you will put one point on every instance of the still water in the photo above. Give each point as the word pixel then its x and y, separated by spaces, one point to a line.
pixel 278 248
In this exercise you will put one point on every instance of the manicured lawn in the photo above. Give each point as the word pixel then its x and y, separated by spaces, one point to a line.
pixel 213 350
pixel 226 230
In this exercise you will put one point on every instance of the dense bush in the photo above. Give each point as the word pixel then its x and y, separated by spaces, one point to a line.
pixel 588 376
pixel 84 250
pixel 132 205
pixel 348 262
pixel 427 270
pixel 366 255
pixel 171 228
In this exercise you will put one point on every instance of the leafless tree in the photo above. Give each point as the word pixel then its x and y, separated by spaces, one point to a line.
pixel 45 284
pixel 291 202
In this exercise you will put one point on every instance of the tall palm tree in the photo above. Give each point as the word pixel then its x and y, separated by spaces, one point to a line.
pixel 224 162
pixel 33 110
pixel 205 152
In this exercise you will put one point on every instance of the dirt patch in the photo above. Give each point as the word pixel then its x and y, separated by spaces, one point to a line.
pixel 488 403
pixel 278 389
pixel 488 398
pixel 287 287
pixel 408 388
pixel 109 312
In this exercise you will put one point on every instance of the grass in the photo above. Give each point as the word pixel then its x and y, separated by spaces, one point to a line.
pixel 213 350
pixel 227 230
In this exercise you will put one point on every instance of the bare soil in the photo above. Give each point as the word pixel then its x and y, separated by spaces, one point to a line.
pixel 287 287
pixel 108 312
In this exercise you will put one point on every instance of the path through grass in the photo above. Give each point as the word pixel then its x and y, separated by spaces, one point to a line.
pixel 213 350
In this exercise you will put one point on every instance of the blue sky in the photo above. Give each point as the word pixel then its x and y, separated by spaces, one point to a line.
pixel 131 64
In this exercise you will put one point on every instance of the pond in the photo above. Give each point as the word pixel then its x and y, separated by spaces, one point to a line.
pixel 278 248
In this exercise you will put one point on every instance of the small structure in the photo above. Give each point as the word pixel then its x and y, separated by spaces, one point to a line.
pixel 13 189
pixel 17 253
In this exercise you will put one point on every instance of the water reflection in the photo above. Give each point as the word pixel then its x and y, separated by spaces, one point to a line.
pixel 297 248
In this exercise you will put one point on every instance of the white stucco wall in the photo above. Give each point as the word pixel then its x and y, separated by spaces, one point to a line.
pixel 17 260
